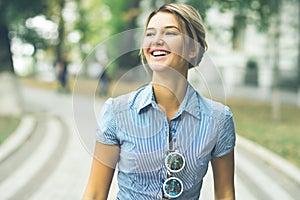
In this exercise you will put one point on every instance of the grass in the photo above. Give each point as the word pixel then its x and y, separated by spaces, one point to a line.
pixel 253 120
pixel 7 126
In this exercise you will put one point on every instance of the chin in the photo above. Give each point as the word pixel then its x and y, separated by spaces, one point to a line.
pixel 158 67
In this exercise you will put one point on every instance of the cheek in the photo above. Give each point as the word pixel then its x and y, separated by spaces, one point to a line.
pixel 145 46
pixel 176 46
pixel 146 43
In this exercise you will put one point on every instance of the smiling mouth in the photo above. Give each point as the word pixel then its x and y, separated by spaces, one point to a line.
pixel 158 53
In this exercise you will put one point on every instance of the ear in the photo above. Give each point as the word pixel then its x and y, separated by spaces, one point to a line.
pixel 194 50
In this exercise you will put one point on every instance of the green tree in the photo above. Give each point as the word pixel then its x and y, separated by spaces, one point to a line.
pixel 14 12
pixel 124 16
pixel 258 12
pixel 262 13
pixel 58 6
pixel 298 61
pixel 92 25
pixel 30 36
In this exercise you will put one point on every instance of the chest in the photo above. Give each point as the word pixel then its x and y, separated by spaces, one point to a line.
pixel 144 138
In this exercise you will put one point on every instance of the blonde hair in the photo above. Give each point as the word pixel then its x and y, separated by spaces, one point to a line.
pixel 190 23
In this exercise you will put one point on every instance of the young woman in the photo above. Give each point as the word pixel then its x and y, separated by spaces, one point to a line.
pixel 163 136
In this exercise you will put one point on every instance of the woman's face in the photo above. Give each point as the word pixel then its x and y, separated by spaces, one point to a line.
pixel 163 43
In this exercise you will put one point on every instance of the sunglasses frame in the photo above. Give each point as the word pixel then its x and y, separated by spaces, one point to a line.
pixel 166 194
pixel 171 172
pixel 171 153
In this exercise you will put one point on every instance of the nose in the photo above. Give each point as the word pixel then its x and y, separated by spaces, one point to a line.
pixel 158 39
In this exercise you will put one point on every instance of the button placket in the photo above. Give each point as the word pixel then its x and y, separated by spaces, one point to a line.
pixel 173 132
pixel 174 140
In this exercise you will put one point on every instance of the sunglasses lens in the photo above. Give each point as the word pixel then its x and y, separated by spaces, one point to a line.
pixel 174 162
pixel 172 187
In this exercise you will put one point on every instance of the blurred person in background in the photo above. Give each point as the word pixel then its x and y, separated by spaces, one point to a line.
pixel 163 136
pixel 104 83
pixel 62 74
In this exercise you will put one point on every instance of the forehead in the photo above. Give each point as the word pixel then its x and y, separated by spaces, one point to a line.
pixel 163 19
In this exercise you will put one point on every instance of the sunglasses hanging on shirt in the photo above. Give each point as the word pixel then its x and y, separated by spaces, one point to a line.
pixel 173 186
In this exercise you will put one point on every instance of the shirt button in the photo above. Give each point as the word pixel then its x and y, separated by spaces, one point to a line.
pixel 174 139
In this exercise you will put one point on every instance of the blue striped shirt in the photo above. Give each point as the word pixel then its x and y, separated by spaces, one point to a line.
pixel 200 130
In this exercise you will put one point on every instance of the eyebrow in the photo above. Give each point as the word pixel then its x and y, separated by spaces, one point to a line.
pixel 166 27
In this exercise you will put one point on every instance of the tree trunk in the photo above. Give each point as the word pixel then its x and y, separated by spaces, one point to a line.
pixel 130 58
pixel 61 34
pixel 10 96
pixel 276 114
pixel 238 31
pixel 298 62
pixel 6 63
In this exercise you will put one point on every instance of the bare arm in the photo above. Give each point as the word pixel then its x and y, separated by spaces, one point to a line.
pixel 102 171
pixel 223 171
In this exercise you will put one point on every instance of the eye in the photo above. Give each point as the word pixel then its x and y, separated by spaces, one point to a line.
pixel 171 33
pixel 149 34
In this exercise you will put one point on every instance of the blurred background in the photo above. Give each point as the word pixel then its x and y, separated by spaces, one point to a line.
pixel 72 47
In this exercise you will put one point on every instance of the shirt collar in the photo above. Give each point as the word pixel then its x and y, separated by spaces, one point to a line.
pixel 190 102
pixel 146 97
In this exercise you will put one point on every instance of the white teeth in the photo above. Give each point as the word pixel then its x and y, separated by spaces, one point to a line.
pixel 159 53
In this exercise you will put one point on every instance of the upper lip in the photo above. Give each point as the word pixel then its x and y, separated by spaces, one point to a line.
pixel 153 50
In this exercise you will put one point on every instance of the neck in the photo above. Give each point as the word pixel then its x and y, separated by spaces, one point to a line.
pixel 169 91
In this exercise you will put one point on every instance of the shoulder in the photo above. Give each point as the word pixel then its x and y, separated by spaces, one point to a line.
pixel 126 101
pixel 214 108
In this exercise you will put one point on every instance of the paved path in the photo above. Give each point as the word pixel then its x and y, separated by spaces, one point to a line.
pixel 53 163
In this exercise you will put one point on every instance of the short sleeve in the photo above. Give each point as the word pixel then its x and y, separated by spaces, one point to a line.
pixel 106 130
pixel 227 136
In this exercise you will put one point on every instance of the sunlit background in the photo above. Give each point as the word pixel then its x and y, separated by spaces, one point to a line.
pixel 252 63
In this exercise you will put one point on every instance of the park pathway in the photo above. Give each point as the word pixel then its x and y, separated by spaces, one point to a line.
pixel 54 162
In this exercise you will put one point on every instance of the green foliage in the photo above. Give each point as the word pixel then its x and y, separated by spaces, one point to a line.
pixel 97 20
pixel 258 12
pixel 13 10
pixel 123 17
pixel 92 21
pixel 30 36
pixel 119 9
pixel 202 6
